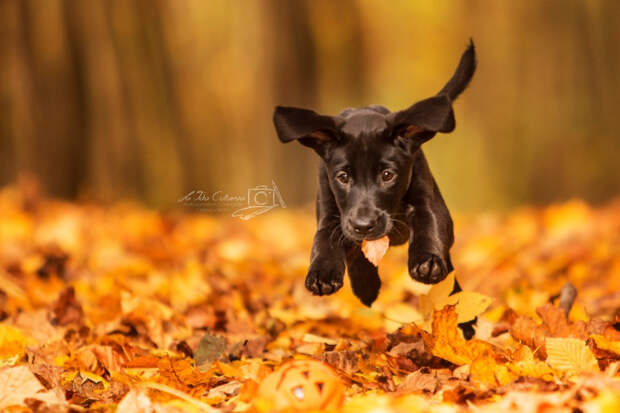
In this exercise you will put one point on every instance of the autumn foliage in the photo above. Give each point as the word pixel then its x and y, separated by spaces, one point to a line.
pixel 122 308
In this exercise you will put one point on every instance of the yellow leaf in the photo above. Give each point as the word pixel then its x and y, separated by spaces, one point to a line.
pixel 312 338
pixel 13 344
pixel 606 402
pixel 60 360
pixel 486 370
pixel 229 369
pixel 68 378
pixel 468 304
pixel 503 375
pixel 570 355
pixel 604 344
pixel 398 314
pixel 95 378
pixel 527 366
pixel 435 299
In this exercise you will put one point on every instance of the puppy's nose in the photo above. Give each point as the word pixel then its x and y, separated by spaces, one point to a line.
pixel 363 226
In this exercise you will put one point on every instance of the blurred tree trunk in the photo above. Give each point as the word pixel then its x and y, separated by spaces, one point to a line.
pixel 298 32
pixel 10 72
pixel 291 50
pixel 42 113
pixel 149 99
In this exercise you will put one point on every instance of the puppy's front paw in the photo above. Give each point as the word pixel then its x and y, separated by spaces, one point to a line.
pixel 427 268
pixel 324 278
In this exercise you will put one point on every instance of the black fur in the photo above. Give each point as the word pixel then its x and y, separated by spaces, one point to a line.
pixel 374 181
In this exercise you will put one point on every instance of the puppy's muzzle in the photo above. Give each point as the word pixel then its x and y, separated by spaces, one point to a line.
pixel 363 226
pixel 367 226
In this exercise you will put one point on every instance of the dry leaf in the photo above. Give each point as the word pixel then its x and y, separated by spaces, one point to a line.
pixel 525 364
pixel 468 304
pixel 209 349
pixel 313 338
pixel 18 383
pixel 570 355
pixel 375 250
pixel 419 382
pixel 436 296
pixel 605 344
pixel 13 344
pixel 136 401
pixel 66 309
pixel 449 344
pixel 485 369
pixel 223 391
pixel 151 285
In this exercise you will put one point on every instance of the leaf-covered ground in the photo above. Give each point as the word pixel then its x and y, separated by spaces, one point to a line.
pixel 121 307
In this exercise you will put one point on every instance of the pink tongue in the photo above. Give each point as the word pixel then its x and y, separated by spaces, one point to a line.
pixel 375 250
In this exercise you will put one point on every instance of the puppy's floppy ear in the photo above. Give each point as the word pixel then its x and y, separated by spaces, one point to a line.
pixel 422 120
pixel 306 126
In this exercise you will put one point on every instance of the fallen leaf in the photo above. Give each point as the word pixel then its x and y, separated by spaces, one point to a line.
pixel 210 348
pixel 148 285
pixel 449 344
pixel 312 338
pixel 419 382
pixel 13 343
pixel 436 296
pixel 136 401
pixel 485 369
pixel 526 365
pixel 605 344
pixel 223 391
pixel 404 348
pixel 311 349
pixel 468 304
pixel 347 361
pixel 555 320
pixel 66 309
pixel 18 383
pixel 570 355
pixel 526 331
pixel 182 373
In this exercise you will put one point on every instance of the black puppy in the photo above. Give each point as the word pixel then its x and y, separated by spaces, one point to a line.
pixel 374 181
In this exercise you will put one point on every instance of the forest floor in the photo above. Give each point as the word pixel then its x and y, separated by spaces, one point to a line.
pixel 121 307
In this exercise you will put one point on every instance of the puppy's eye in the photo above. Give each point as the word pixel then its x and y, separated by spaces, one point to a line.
pixel 387 176
pixel 343 177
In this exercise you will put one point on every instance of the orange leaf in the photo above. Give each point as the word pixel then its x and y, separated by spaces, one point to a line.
pixel 449 344
pixel 375 250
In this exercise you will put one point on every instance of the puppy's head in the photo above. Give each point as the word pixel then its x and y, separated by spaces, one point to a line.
pixel 369 152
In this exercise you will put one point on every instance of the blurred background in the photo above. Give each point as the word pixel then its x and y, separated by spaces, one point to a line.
pixel 149 99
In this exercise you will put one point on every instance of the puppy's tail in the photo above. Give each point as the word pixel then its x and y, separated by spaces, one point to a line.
pixel 463 74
